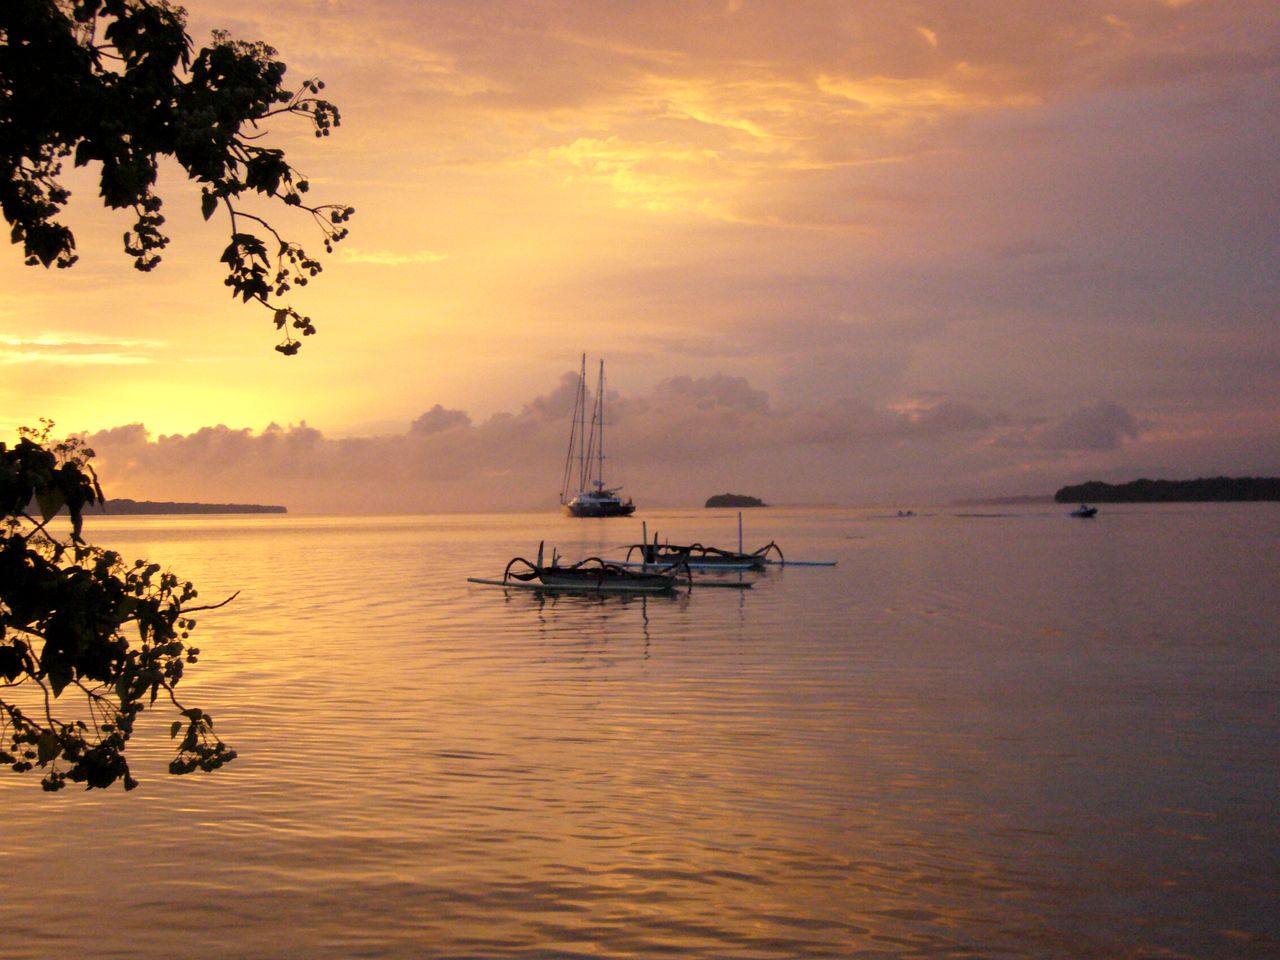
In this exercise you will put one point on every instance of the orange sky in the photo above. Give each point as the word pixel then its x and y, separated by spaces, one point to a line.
pixel 829 250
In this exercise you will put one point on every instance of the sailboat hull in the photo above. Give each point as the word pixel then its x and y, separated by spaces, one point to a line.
pixel 599 507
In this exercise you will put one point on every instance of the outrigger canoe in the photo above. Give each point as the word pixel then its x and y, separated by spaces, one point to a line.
pixel 594 575
pixel 697 556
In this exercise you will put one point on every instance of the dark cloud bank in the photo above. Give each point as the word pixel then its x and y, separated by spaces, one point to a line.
pixel 686 439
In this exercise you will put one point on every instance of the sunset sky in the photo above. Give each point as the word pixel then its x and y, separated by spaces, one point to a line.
pixel 833 251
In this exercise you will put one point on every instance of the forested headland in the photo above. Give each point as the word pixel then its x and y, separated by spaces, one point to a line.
pixel 123 506
pixel 1205 489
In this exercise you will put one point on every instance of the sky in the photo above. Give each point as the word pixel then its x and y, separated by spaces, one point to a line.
pixel 831 252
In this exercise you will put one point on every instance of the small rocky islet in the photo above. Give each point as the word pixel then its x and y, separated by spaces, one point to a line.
pixel 734 500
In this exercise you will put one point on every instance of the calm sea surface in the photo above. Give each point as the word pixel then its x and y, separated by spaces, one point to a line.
pixel 1016 735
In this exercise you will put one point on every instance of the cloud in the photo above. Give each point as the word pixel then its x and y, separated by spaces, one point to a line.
pixel 389 258
pixel 438 419
pixel 950 417
pixel 671 444
pixel 124 437
pixel 899 100
pixel 715 391
pixel 1103 426
pixel 74 350
pixel 655 176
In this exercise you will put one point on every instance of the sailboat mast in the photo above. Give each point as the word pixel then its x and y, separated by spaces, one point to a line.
pixel 576 449
pixel 582 425
pixel 600 417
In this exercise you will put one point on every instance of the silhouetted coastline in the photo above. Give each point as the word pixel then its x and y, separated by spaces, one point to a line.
pixel 124 507
pixel 1205 489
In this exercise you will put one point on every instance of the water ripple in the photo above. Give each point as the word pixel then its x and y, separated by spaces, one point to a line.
pixel 931 750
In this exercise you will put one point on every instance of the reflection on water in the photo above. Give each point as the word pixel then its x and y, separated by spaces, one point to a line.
pixel 1016 736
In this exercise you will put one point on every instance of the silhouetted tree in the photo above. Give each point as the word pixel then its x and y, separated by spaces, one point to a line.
pixel 117 83
pixel 65 608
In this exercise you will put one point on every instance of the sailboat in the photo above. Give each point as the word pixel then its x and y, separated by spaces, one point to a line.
pixel 586 452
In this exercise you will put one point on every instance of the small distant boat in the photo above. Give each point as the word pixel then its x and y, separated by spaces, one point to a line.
pixel 586 445
pixel 1084 511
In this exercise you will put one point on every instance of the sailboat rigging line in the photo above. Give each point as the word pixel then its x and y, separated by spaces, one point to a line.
pixel 599 417
pixel 575 447
pixel 584 442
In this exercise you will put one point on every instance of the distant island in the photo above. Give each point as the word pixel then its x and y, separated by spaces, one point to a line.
pixel 734 500
pixel 1206 489
pixel 157 507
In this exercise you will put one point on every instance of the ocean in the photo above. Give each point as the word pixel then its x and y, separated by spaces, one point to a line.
pixel 986 732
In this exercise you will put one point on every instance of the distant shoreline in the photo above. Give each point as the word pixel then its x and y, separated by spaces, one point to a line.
pixel 1202 490
pixel 126 507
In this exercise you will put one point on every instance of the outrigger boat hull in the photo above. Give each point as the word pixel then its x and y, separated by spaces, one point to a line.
pixel 592 575
pixel 607 588
pixel 560 578
pixel 570 587
pixel 698 557
pixel 725 566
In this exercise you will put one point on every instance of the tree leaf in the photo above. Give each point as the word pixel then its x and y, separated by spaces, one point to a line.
pixel 47 747
pixel 51 501
pixel 57 670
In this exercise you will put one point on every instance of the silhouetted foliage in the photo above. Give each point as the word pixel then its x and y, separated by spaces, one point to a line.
pixel 1205 489
pixel 83 630
pixel 118 83
pixel 88 641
